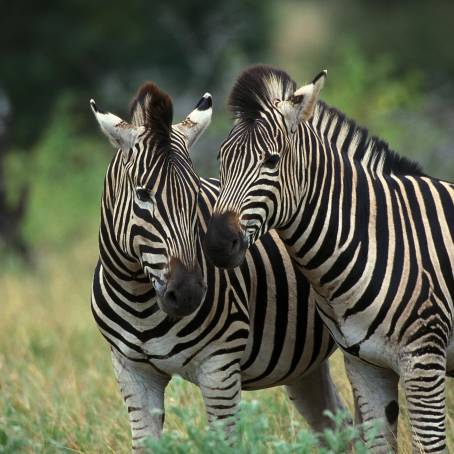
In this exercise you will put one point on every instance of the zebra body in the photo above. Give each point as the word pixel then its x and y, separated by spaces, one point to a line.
pixel 253 328
pixel 259 313
pixel 371 232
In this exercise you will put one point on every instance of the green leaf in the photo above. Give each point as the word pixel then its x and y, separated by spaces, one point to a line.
pixel 3 438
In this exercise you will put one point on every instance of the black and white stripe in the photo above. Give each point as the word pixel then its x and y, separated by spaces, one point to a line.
pixel 371 232
pixel 254 327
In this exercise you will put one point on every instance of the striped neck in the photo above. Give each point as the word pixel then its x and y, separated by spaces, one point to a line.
pixel 117 264
pixel 330 225
pixel 338 164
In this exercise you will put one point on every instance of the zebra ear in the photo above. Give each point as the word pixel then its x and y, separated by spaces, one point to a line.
pixel 119 132
pixel 301 106
pixel 193 126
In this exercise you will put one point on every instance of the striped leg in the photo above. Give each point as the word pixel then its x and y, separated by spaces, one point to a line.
pixel 313 394
pixel 220 384
pixel 423 379
pixel 375 391
pixel 143 393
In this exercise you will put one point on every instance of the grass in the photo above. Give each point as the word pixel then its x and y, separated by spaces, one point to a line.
pixel 57 390
pixel 252 434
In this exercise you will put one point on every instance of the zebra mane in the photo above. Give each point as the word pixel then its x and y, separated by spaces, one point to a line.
pixel 356 141
pixel 257 87
pixel 153 109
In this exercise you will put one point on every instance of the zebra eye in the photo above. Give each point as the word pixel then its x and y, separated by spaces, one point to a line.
pixel 144 195
pixel 271 161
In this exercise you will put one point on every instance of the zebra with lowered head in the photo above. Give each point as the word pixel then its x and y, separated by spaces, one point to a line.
pixel 166 310
pixel 370 231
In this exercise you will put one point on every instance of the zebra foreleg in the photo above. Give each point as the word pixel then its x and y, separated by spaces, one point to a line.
pixel 375 391
pixel 220 384
pixel 143 393
pixel 423 378
pixel 313 394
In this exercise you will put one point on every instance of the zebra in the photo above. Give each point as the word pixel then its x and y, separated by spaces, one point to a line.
pixel 164 309
pixel 371 232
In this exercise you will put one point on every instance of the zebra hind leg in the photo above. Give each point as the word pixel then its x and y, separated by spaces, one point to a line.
pixel 143 393
pixel 375 392
pixel 423 379
pixel 315 393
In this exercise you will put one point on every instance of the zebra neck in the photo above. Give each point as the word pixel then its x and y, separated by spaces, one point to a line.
pixel 331 226
pixel 135 289
pixel 120 271
pixel 117 264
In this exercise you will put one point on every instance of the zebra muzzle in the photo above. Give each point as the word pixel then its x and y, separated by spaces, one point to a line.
pixel 185 290
pixel 225 242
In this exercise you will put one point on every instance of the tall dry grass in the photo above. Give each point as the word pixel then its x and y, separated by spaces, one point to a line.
pixel 57 390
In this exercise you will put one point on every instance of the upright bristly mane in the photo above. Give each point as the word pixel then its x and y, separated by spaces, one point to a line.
pixel 257 87
pixel 153 109
pixel 356 141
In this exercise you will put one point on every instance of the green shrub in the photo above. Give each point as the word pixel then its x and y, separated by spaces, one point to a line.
pixel 252 434
pixel 65 173
pixel 395 106
pixel 12 438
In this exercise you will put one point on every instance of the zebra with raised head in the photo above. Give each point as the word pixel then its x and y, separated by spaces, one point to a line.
pixel 166 310
pixel 373 235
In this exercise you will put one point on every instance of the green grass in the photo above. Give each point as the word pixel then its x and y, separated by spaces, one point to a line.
pixel 252 434
pixel 57 389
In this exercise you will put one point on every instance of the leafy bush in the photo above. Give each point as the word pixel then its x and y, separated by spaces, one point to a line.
pixel 393 105
pixel 66 169
pixel 10 444
pixel 251 434
pixel 65 176
pixel 12 438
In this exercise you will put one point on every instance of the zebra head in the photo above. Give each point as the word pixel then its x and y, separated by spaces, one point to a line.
pixel 260 172
pixel 155 207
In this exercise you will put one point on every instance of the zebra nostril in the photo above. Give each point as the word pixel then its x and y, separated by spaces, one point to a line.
pixel 235 246
pixel 171 297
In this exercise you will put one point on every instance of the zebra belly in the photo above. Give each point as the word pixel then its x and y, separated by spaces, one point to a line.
pixel 280 356
pixel 381 347
pixel 352 337
pixel 265 362
pixel 265 372
pixel 287 336
pixel 283 339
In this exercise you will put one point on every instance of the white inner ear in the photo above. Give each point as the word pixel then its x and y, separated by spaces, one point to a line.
pixel 305 90
pixel 309 99
pixel 302 105
pixel 194 125
pixel 119 132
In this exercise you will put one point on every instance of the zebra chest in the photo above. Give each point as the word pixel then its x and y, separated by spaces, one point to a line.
pixel 171 356
pixel 187 346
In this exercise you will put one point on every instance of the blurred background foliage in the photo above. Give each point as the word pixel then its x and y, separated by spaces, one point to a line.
pixel 390 67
